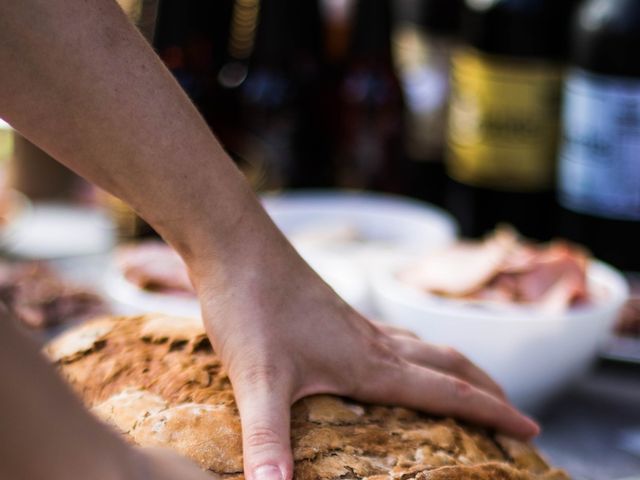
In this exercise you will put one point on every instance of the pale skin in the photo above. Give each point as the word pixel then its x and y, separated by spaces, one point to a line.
pixel 79 81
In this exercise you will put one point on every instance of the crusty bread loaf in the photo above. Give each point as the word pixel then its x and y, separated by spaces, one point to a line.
pixel 157 381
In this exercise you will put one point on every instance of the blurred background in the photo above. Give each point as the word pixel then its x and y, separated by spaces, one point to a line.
pixel 511 111
pixel 470 113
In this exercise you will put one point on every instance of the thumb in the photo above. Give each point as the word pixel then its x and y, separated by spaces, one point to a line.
pixel 265 412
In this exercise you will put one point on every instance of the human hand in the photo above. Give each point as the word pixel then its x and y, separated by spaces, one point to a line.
pixel 283 334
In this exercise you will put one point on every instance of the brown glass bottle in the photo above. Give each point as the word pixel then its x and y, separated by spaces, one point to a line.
pixel 599 162
pixel 191 39
pixel 222 110
pixel 504 114
pixel 268 97
pixel 424 39
pixel 312 165
pixel 370 105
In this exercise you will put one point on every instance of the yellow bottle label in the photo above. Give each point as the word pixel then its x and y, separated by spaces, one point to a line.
pixel 503 121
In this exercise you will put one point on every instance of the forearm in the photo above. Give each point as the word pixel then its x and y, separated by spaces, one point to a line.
pixel 44 430
pixel 83 84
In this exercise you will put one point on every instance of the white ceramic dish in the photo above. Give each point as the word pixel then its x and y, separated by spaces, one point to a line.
pixel 379 219
pixel 51 230
pixel 531 354
pixel 129 299
pixel 346 235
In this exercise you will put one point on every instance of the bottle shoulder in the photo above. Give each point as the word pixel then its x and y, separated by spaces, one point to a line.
pixel 522 28
pixel 606 37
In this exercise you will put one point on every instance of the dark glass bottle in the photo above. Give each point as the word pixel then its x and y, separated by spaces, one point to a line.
pixel 190 38
pixel 370 105
pixel 268 97
pixel 224 112
pixel 312 166
pixel 504 114
pixel 424 40
pixel 599 171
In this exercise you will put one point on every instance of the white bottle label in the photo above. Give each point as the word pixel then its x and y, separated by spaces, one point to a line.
pixel 600 157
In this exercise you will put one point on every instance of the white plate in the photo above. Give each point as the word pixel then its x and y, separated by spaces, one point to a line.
pixel 129 299
pixel 388 225
pixel 59 230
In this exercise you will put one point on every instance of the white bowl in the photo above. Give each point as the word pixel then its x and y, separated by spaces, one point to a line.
pixel 533 355
pixel 318 223
pixel 379 218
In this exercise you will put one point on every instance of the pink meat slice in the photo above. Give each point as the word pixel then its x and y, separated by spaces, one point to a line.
pixel 556 279
pixel 501 289
pixel 502 269
pixel 154 266
pixel 461 269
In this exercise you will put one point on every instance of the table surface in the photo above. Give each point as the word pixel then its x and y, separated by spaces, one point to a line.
pixel 584 430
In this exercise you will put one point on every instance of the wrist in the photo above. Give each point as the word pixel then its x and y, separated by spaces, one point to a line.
pixel 221 234
pixel 252 250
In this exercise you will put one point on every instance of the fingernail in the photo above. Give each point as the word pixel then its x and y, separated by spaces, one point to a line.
pixel 267 472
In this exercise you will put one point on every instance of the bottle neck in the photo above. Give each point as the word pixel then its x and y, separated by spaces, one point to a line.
pixel 441 17
pixel 519 28
pixel 606 37
pixel 274 39
pixel 371 34
pixel 307 27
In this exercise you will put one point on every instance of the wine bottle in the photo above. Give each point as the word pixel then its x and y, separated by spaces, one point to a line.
pixel 370 104
pixel 504 115
pixel 424 40
pixel 268 97
pixel 599 166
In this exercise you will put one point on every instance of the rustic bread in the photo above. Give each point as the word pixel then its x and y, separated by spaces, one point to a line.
pixel 157 381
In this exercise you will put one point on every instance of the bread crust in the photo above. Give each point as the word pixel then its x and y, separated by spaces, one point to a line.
pixel 157 380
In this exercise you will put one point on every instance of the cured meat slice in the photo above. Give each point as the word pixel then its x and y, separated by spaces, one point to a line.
pixel 154 266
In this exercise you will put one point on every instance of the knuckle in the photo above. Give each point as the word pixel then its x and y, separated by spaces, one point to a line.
pixel 408 333
pixel 377 373
pixel 384 358
pixel 259 375
pixel 456 360
pixel 261 436
pixel 461 390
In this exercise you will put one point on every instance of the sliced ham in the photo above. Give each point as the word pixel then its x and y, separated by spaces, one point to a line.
pixel 40 298
pixel 154 266
pixel 503 269
pixel 463 268
pixel 560 268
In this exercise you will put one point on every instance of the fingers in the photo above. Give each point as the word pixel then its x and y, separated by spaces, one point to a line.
pixel 446 360
pixel 416 387
pixel 409 346
pixel 265 413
